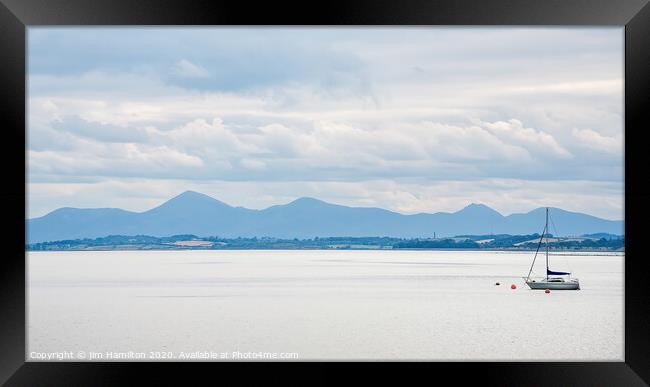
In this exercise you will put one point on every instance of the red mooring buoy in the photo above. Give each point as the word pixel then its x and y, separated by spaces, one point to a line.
pixel 497 284
pixel 547 291
pixel 513 286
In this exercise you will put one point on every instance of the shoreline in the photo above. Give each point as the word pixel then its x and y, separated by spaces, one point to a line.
pixel 609 252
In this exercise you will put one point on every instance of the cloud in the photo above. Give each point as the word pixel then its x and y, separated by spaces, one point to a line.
pixel 98 131
pixel 589 87
pixel 186 69
pixel 472 143
pixel 327 150
pixel 209 139
pixel 111 160
pixel 513 130
pixel 596 141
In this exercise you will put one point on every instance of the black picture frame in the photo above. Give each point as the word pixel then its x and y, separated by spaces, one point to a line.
pixel 17 15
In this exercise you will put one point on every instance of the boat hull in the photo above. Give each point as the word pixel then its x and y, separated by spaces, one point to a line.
pixel 541 285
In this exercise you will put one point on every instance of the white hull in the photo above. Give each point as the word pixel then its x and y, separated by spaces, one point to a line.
pixel 543 284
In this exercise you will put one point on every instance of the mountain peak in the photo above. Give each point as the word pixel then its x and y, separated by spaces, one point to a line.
pixel 196 197
pixel 478 208
pixel 192 195
pixel 188 201
pixel 306 201
pixel 475 206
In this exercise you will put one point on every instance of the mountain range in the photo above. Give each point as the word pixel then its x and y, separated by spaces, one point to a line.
pixel 201 215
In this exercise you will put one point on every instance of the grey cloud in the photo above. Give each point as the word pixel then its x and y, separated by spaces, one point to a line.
pixel 211 149
pixel 99 131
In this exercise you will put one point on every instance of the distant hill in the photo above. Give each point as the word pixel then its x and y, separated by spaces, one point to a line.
pixel 604 235
pixel 201 215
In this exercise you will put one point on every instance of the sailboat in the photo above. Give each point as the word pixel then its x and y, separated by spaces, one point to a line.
pixel 558 280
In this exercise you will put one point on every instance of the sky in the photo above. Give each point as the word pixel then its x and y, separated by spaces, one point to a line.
pixel 419 119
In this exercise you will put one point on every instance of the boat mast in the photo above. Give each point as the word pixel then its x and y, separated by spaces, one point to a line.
pixel 546 238
pixel 541 239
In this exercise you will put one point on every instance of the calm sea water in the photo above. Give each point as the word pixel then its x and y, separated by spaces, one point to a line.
pixel 438 305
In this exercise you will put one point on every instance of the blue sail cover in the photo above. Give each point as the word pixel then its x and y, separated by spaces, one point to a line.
pixel 551 272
